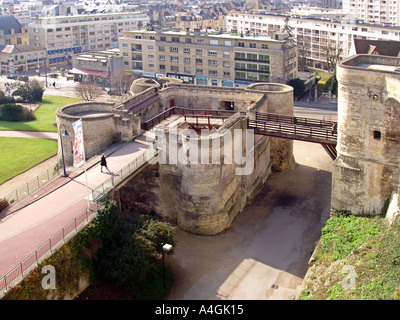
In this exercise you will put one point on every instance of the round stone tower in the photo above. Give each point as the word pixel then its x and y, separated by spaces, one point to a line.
pixel 367 168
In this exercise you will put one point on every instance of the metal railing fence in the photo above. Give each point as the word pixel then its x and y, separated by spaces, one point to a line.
pixel 31 186
pixel 16 275
pixel 99 193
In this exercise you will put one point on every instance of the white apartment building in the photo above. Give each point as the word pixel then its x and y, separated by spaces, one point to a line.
pixel 374 11
pixel 312 35
pixel 209 58
pixel 65 35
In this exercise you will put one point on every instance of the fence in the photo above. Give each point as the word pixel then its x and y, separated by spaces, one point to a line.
pixel 122 174
pixel 16 275
pixel 99 193
pixel 31 186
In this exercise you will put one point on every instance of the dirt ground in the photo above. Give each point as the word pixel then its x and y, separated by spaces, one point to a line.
pixel 265 253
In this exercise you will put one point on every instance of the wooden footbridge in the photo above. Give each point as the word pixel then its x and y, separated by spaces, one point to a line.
pixel 323 132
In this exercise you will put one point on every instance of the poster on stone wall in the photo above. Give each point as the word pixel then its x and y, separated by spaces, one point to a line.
pixel 78 151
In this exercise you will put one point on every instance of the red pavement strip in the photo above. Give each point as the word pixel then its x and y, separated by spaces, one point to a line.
pixel 40 193
pixel 27 229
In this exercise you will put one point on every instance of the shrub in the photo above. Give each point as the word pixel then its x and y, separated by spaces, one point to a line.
pixel 3 204
pixel 298 87
pixel 16 112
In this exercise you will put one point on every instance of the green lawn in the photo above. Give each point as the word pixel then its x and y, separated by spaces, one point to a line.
pixel 45 116
pixel 20 154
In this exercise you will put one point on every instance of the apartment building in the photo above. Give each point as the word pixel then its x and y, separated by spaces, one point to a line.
pixel 209 58
pixel 101 67
pixel 20 58
pixel 64 35
pixel 312 35
pixel 374 11
pixel 11 31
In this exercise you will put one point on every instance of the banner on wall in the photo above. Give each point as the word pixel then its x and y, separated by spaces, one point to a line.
pixel 78 149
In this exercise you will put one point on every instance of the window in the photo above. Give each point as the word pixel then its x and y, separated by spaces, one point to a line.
pixel 212 62
pixel 199 71
pixel 227 74
pixel 264 46
pixel 228 43
pixel 151 56
pixel 162 66
pixel 174 68
pixel 162 58
pixel 252 56
pixel 199 51
pixel 186 50
pixel 174 59
pixel 150 47
pixel 187 70
pixel 212 52
pixel 188 40
pixel 226 64
pixel 174 49
pixel 253 45
pixel 200 40
pixel 186 60
pixel 163 38
pixel 151 66
pixel 241 44
pixel 240 55
pixel 377 135
pixel 199 61
pixel 213 72
pixel 214 42
pixel 161 48
pixel 175 39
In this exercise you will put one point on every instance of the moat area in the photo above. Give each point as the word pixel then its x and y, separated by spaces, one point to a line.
pixel 265 253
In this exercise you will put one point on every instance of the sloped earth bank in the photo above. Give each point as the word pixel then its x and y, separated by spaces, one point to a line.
pixel 265 253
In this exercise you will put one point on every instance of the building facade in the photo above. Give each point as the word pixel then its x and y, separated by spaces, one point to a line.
pixel 11 31
pixel 21 58
pixel 209 59
pixel 101 67
pixel 382 12
pixel 312 35
pixel 63 36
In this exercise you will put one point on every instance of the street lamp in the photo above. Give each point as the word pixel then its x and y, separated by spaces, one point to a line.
pixel 65 133
pixel 165 248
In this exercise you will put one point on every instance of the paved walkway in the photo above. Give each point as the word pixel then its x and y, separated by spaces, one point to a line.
pixel 23 231
pixel 29 134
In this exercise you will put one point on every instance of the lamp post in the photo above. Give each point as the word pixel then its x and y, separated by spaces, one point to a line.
pixel 165 248
pixel 61 142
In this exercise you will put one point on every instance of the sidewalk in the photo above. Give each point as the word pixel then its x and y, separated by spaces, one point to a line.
pixel 50 209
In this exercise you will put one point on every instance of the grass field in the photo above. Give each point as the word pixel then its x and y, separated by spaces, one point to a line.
pixel 20 154
pixel 45 116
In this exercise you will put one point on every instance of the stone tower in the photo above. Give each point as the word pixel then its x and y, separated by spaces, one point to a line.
pixel 367 169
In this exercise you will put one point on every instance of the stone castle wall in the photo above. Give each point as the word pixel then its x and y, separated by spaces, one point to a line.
pixel 205 198
pixel 367 169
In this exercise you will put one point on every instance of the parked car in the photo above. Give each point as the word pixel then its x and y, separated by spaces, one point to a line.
pixel 12 76
pixel 23 78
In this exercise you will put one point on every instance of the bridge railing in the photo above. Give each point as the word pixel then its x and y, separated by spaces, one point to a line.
pixel 152 122
pixel 294 131
pixel 295 120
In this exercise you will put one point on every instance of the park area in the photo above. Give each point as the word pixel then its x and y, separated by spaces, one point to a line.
pixel 20 154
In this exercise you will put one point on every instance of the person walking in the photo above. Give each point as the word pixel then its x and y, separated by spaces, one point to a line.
pixel 103 163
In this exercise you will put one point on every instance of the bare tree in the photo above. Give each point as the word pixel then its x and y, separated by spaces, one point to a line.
pixel 288 29
pixel 121 84
pixel 333 56
pixel 88 91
